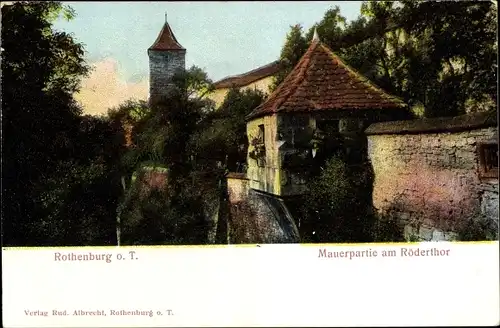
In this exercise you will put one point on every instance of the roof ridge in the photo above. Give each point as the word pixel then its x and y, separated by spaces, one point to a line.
pixel 261 67
pixel 248 72
pixel 361 77
pixel 300 78
pixel 244 79
pixel 300 74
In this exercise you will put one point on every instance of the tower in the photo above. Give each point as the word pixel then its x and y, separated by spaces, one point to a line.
pixel 166 58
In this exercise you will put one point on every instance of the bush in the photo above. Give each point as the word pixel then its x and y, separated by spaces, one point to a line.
pixel 478 230
pixel 162 218
pixel 387 229
pixel 338 206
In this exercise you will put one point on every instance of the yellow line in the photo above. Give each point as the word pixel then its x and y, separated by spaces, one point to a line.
pixel 252 245
pixel 405 243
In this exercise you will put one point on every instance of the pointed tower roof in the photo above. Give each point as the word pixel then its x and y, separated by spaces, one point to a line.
pixel 166 40
pixel 321 81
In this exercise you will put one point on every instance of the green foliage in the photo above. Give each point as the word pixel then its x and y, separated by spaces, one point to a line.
pixel 333 188
pixel 222 135
pixel 52 155
pixel 52 10
pixel 295 46
pixel 444 63
pixel 337 207
pixel 131 111
pixel 330 28
pixel 194 82
pixel 132 114
pixel 440 61
pixel 460 41
pixel 480 229
pixel 78 207
pixel 161 132
pixel 62 181
pixel 162 218
pixel 388 229
pixel 183 133
pixel 163 136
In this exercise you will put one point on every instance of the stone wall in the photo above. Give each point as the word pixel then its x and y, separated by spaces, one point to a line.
pixel 428 173
pixel 256 217
pixel 163 65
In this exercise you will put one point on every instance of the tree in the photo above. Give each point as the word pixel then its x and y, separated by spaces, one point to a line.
pixel 79 202
pixel 195 83
pixel 159 132
pixel 294 48
pixel 460 44
pixel 338 205
pixel 196 145
pixel 169 213
pixel 222 136
pixel 444 63
pixel 131 111
pixel 129 118
pixel 330 28
pixel 41 69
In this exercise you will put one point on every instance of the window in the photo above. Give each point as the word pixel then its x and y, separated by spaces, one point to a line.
pixel 261 133
pixel 261 161
pixel 488 160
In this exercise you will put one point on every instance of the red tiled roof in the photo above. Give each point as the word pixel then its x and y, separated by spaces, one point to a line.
pixel 322 81
pixel 166 40
pixel 248 77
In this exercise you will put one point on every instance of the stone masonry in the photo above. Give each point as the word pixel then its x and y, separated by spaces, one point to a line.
pixel 163 65
pixel 167 57
pixel 430 178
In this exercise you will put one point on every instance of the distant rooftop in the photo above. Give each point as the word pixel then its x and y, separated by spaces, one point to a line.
pixel 248 77
pixel 273 68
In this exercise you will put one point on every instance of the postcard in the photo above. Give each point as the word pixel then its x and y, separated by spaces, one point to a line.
pixel 249 164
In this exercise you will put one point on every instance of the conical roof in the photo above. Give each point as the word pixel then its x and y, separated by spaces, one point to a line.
pixel 166 40
pixel 321 81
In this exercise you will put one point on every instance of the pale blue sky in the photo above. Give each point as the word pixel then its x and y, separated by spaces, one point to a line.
pixel 224 38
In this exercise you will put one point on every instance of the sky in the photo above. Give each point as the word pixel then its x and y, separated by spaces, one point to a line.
pixel 224 38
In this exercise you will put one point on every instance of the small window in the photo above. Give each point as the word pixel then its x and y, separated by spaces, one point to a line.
pixel 261 133
pixel 488 160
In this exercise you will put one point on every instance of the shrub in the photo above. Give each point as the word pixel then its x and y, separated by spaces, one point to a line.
pixel 338 206
pixel 478 230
